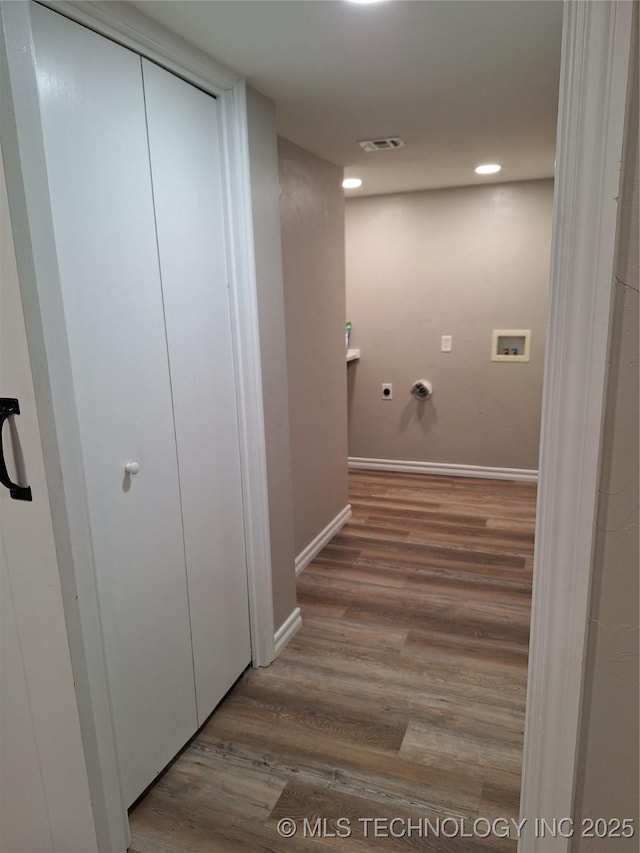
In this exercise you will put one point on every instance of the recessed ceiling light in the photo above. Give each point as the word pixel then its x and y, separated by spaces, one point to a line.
pixel 362 2
pixel 488 169
pixel 352 183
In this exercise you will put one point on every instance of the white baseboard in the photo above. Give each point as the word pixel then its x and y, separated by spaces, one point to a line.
pixel 314 547
pixel 524 475
pixel 285 632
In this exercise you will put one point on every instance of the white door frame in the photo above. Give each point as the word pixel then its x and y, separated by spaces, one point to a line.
pixel 593 89
pixel 23 149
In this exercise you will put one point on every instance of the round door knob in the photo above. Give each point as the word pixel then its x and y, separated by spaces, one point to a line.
pixel 132 467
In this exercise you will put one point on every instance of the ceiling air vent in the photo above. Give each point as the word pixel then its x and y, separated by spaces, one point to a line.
pixel 386 143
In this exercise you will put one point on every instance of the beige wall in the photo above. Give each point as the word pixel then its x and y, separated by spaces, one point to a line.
pixel 263 156
pixel 457 262
pixel 607 781
pixel 312 217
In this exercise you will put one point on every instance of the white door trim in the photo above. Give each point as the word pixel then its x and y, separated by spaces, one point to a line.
pixel 246 336
pixel 127 26
pixel 595 60
pixel 27 186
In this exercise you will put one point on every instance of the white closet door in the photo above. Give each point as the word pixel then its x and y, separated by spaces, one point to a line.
pixel 184 143
pixel 93 117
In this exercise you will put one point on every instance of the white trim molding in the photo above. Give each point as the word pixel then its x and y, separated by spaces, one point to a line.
pixel 593 85
pixel 248 364
pixel 287 630
pixel 316 545
pixel 124 24
pixel 443 469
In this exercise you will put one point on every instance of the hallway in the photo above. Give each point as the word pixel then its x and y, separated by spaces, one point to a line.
pixel 402 696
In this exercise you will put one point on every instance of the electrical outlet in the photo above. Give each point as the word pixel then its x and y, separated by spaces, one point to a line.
pixel 387 391
pixel 445 343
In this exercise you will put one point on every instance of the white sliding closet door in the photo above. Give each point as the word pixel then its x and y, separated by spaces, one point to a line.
pixel 184 144
pixel 93 116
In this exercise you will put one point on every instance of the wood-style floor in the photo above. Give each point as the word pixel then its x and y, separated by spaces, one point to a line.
pixel 402 696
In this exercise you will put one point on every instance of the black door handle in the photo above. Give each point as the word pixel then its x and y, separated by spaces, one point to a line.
pixel 10 406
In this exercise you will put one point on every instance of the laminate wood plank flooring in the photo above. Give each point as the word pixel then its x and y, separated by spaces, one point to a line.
pixel 394 719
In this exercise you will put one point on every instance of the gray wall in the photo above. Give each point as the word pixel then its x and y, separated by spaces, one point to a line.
pixel 607 781
pixel 457 262
pixel 263 158
pixel 312 218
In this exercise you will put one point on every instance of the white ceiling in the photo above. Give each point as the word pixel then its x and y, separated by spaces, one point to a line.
pixel 462 82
